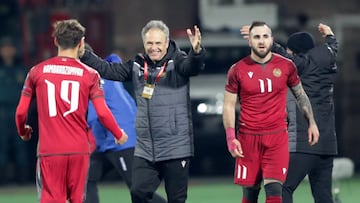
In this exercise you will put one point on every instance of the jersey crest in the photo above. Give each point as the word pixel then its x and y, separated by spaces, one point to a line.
pixel 277 72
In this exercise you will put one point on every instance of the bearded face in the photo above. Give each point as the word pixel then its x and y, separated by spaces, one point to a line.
pixel 260 41
pixel 261 52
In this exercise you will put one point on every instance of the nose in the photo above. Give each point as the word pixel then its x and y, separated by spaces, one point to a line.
pixel 261 40
pixel 153 47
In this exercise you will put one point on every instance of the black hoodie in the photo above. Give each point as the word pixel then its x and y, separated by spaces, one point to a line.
pixel 317 70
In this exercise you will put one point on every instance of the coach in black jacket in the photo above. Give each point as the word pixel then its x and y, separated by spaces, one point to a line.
pixel 317 70
pixel 164 128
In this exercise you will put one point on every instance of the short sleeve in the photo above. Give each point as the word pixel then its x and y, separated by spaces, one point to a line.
pixel 293 79
pixel 232 83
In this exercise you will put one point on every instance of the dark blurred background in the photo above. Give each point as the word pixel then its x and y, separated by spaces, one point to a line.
pixel 115 26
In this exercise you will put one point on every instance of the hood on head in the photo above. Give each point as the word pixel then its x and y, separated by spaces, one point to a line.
pixel 300 42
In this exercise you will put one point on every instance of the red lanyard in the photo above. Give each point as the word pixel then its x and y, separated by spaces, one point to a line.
pixel 146 72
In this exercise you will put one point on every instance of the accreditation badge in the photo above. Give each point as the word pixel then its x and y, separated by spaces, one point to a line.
pixel 148 91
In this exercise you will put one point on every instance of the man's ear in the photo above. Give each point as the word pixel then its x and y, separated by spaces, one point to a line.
pixel 82 43
pixel 56 42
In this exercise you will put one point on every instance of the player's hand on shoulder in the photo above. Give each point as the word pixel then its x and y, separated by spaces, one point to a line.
pixel 123 138
pixel 244 31
pixel 27 135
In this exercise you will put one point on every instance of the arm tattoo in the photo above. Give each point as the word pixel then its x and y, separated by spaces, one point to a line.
pixel 303 102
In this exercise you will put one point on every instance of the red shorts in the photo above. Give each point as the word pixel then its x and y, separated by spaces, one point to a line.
pixel 62 177
pixel 265 157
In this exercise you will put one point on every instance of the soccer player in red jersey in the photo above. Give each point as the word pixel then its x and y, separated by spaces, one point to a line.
pixel 260 83
pixel 63 86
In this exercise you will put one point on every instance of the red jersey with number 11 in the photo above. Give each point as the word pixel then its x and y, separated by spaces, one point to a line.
pixel 262 90
pixel 63 87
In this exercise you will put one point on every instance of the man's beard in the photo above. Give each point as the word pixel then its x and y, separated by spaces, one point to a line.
pixel 261 55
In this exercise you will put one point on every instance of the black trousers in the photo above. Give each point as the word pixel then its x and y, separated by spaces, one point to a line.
pixel 147 177
pixel 319 170
pixel 103 162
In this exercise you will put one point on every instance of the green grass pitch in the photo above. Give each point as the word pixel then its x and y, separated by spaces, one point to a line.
pixel 201 190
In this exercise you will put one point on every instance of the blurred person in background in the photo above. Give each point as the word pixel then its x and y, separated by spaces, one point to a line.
pixel 10 17
pixel 164 130
pixel 13 152
pixel 62 86
pixel 259 82
pixel 108 155
pixel 317 70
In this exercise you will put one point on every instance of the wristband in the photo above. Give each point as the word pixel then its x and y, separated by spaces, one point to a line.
pixel 230 136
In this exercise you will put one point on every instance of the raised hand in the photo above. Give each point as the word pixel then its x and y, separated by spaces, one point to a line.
pixel 195 39
pixel 325 30
pixel 245 31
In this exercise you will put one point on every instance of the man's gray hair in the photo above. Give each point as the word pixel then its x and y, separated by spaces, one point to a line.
pixel 158 24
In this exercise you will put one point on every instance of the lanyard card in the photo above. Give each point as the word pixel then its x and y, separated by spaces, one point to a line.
pixel 148 91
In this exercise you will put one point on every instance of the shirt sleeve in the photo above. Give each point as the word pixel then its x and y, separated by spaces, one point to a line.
pixel 96 89
pixel 28 88
pixel 24 103
pixel 108 70
pixel 106 118
pixel 21 114
pixel 293 78
pixel 191 64
pixel 232 83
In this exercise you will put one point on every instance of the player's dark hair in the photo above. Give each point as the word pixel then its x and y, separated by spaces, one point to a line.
pixel 257 24
pixel 68 33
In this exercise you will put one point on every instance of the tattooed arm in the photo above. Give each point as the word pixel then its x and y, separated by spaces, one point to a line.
pixel 303 102
pixel 305 105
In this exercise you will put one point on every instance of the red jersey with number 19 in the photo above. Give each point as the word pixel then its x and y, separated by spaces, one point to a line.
pixel 262 90
pixel 63 87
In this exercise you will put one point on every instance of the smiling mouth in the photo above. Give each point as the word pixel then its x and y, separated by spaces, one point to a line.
pixel 154 53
